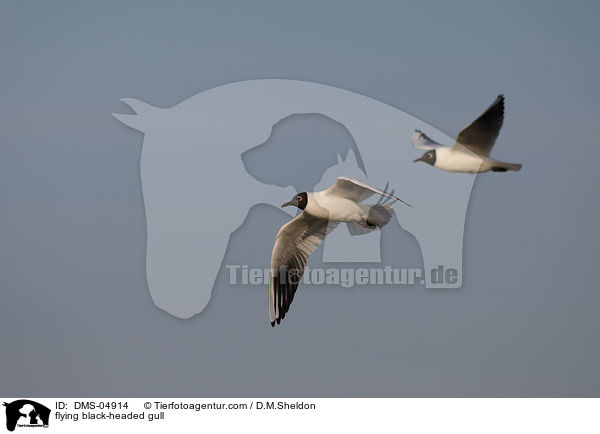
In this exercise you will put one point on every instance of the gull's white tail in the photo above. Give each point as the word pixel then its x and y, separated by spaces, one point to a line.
pixel 377 217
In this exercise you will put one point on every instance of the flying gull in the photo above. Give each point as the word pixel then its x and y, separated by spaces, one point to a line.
pixel 322 211
pixel 478 138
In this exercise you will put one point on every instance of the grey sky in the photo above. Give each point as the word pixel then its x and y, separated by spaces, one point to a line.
pixel 76 318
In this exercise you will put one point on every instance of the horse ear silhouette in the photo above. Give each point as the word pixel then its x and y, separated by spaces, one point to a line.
pixel 139 120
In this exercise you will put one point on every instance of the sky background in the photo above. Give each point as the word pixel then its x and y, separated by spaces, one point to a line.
pixel 76 318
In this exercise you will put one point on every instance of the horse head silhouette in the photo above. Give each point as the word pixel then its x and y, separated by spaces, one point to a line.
pixel 197 190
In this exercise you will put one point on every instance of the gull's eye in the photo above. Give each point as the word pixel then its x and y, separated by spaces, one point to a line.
pixel 299 198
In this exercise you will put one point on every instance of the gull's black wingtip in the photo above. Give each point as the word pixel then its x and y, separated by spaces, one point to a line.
pixel 272 323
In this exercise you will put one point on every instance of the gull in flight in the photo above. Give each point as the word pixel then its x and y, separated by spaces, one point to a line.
pixel 321 212
pixel 470 153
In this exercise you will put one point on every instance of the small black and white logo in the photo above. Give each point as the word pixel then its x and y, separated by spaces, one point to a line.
pixel 26 413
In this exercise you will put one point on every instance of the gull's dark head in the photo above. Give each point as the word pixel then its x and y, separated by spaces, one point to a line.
pixel 428 157
pixel 300 200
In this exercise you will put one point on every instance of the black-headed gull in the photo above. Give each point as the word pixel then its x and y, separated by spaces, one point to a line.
pixel 322 211
pixel 470 153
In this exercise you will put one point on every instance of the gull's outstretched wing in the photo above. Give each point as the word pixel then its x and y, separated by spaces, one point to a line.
pixel 351 188
pixel 480 135
pixel 420 140
pixel 294 243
